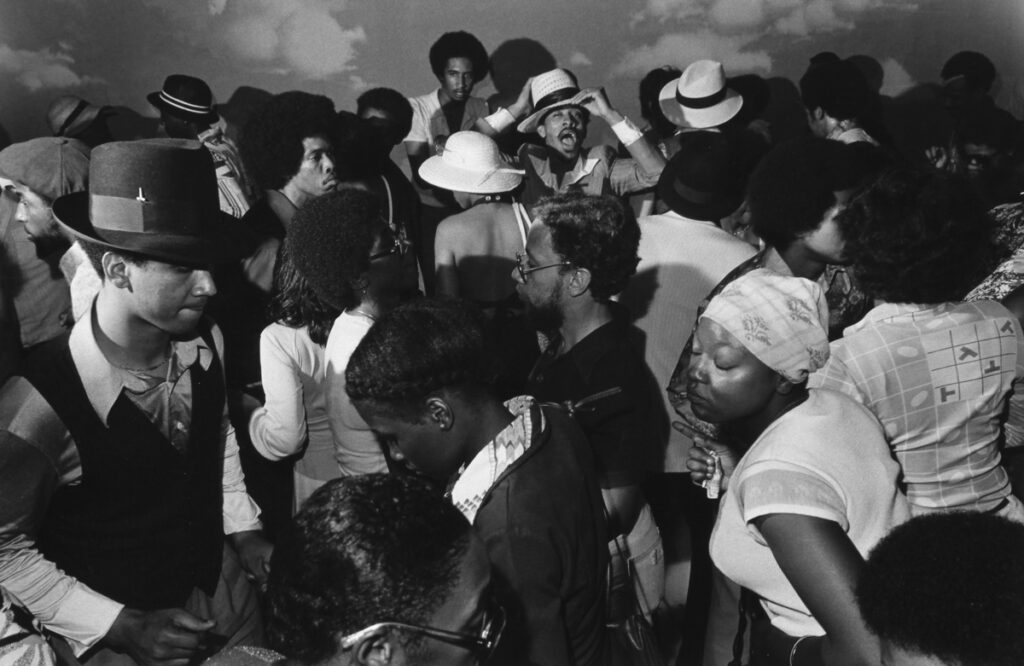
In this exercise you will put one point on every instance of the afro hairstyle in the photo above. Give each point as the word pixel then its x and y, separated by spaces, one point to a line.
pixel 838 87
pixel 459 44
pixel 392 103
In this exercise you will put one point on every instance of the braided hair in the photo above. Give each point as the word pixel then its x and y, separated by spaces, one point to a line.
pixel 417 349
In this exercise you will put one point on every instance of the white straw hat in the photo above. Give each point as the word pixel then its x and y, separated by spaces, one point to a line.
pixel 549 91
pixel 470 162
pixel 700 97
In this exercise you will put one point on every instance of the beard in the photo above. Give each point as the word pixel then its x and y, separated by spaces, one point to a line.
pixel 545 317
pixel 47 246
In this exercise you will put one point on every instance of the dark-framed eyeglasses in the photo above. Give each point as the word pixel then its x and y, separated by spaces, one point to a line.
pixel 525 269
pixel 400 247
pixel 481 644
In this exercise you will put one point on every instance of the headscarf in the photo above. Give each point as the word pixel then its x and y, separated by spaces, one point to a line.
pixel 781 320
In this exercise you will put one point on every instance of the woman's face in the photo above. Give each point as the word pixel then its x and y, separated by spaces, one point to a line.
pixel 725 382
pixel 457 79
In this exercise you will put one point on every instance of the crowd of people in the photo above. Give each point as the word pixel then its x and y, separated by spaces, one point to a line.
pixel 711 395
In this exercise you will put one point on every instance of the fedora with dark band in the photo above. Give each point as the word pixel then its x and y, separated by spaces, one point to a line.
pixel 157 198
pixel 705 180
pixel 551 90
pixel 700 97
pixel 185 97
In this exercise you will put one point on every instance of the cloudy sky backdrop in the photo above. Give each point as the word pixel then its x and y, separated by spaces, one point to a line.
pixel 115 51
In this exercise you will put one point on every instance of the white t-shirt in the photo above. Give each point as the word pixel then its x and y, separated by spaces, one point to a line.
pixel 826 458
pixel 355 446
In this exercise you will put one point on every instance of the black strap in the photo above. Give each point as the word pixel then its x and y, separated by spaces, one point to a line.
pixel 77 111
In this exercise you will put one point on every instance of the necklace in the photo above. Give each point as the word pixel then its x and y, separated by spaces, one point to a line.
pixel 502 197
pixel 363 313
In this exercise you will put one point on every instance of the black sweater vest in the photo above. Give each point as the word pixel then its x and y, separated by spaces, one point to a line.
pixel 144 525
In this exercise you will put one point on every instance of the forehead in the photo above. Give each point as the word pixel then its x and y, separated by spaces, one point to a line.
pixel 712 334
pixel 314 143
pixel 558 114
pixel 458 65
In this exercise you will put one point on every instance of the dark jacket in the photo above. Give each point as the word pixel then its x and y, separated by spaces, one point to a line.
pixel 544 528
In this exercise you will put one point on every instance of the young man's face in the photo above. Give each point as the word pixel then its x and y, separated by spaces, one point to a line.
pixel 564 130
pixel 168 296
pixel 457 79
pixel 315 176
pixel 541 290
pixel 34 212
pixel 383 125
pixel 423 446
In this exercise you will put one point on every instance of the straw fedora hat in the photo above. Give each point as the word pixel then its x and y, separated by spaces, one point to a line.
pixel 471 162
pixel 185 97
pixel 700 98
pixel 155 197
pixel 551 90
pixel 70 116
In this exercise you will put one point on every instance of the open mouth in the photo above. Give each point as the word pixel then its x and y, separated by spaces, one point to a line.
pixel 569 138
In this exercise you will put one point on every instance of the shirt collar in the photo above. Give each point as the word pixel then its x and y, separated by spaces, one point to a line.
pixel 479 476
pixel 105 382
pixel 583 167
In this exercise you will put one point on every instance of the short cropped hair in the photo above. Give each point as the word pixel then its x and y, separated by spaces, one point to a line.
pixel 295 303
pixel 418 349
pixel 948 585
pixel 391 102
pixel 977 70
pixel 362 550
pixel 596 232
pixel 459 44
pixel 94 253
pixel 838 87
pixel 917 236
pixel 330 241
pixel 271 143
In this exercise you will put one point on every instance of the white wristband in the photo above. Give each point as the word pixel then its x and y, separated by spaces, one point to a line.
pixel 500 120
pixel 626 131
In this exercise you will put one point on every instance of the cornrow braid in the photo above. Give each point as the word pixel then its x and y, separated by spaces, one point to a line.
pixel 416 349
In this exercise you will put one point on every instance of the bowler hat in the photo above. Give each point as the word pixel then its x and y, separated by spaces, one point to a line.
pixel 706 179
pixel 471 162
pixel 549 91
pixel 155 197
pixel 700 98
pixel 185 97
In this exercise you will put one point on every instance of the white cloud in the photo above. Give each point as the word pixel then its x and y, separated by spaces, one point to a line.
pixel 896 79
pixel 358 83
pixel 579 59
pixel 680 49
pixel 672 9
pixel 299 36
pixel 737 15
pixel 43 69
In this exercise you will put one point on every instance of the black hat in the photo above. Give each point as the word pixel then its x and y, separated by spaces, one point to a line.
pixel 185 97
pixel 706 179
pixel 155 197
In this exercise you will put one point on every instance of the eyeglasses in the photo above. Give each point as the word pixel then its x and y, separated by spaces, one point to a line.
pixel 400 247
pixel 482 645
pixel 525 269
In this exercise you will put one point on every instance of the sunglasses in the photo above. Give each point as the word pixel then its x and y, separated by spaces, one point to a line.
pixel 400 247
pixel 525 269
pixel 481 644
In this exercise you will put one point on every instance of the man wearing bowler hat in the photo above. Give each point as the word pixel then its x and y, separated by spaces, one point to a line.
pixel 187 111
pixel 119 468
pixel 561 114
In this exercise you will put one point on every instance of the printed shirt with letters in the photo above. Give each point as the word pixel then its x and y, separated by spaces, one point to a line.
pixel 938 377
pixel 33 464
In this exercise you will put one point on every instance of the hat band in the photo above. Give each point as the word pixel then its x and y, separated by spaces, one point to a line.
pixel 138 216
pixel 77 111
pixel 555 97
pixel 692 195
pixel 188 107
pixel 701 102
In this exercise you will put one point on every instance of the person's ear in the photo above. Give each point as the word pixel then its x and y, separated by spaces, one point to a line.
pixel 783 386
pixel 440 412
pixel 818 113
pixel 579 282
pixel 374 650
pixel 360 284
pixel 542 131
pixel 115 270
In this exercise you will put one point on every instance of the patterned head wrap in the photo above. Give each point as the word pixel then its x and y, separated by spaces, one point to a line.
pixel 781 320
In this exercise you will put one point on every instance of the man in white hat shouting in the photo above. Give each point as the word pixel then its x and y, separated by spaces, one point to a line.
pixel 119 468
pixel 561 113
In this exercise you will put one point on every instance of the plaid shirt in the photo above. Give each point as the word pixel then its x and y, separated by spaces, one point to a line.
pixel 938 378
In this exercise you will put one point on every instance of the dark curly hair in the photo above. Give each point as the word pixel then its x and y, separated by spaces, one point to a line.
pixel 795 184
pixel 596 232
pixel 950 586
pixel 916 236
pixel 650 108
pixel 459 44
pixel 838 87
pixel 419 348
pixel 294 303
pixel 391 102
pixel 976 68
pixel 330 240
pixel 271 142
pixel 362 550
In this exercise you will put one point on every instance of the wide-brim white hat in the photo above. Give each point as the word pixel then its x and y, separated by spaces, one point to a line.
pixel 551 90
pixel 471 162
pixel 700 98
